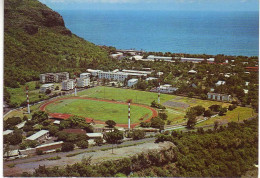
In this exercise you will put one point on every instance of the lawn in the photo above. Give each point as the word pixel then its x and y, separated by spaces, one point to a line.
pixel 99 110
pixel 18 95
pixel 238 114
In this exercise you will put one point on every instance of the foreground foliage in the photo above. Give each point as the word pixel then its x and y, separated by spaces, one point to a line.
pixel 226 152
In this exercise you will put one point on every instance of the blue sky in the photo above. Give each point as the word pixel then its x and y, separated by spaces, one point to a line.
pixel 190 5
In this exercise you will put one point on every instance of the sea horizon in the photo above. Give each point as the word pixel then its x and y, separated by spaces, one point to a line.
pixel 192 32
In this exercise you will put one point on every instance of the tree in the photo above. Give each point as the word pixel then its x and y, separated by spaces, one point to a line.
pixel 163 116
pixel 138 134
pixel 113 137
pixel 98 141
pixel 82 144
pixel 208 113
pixel 12 121
pixel 157 123
pixel 53 130
pixel 57 88
pixel 191 121
pixel 216 124
pixel 37 85
pixel 15 138
pixel 48 91
pixel 40 116
pixel 145 124
pixel 67 146
pixel 199 110
pixel 110 123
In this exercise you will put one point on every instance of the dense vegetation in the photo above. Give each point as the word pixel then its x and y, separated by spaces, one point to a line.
pixel 37 41
pixel 224 152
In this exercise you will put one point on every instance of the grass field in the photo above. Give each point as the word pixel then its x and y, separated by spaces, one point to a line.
pixel 175 114
pixel 18 95
pixel 100 110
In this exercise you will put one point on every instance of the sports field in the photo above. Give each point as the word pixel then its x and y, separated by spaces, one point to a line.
pixel 99 110
pixel 175 111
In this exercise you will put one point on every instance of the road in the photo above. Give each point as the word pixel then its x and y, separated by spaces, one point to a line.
pixel 63 154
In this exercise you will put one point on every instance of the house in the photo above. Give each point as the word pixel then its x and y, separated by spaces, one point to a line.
pixel 86 74
pixel 247 83
pixel 94 135
pixel 40 136
pixel 7 132
pixel 151 78
pixel 50 146
pixel 137 57
pixel 46 87
pixel 245 91
pixel 220 83
pixel 76 131
pixel 117 55
pixel 219 97
pixel 56 122
pixel 83 82
pixel 132 82
pixel 12 153
pixel 159 73
pixel 21 125
pixel 165 89
pixel 67 85
pixel 192 72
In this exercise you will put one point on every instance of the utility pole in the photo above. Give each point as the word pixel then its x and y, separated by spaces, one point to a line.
pixel 159 90
pixel 28 104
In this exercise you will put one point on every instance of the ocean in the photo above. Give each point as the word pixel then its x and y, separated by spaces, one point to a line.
pixel 193 32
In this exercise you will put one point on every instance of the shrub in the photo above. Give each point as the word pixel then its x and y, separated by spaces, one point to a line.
pixel 67 146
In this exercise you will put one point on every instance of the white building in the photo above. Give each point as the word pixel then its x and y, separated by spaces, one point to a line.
pixel 132 82
pixel 7 132
pixel 67 85
pixel 195 60
pixel 245 91
pixel 83 75
pixel 137 72
pixel 192 72
pixel 94 135
pixel 21 125
pixel 94 72
pixel 83 82
pixel 45 87
pixel 117 55
pixel 219 97
pixel 119 76
pixel 39 136
pixel 247 83
pixel 151 78
pixel 167 88
pixel 159 58
pixel 220 83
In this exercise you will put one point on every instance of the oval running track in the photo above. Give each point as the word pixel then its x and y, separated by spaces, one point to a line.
pixel 66 116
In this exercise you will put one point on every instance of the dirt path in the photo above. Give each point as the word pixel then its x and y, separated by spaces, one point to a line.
pixel 66 116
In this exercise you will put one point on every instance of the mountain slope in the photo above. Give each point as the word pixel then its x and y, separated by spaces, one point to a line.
pixel 37 41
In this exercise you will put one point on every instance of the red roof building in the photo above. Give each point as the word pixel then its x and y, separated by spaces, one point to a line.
pixel 76 131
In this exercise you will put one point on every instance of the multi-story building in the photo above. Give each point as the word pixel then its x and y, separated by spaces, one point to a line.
pixel 119 76
pixel 83 75
pixel 45 87
pixel 67 84
pixel 54 77
pixel 94 72
pixel 132 82
pixel 159 58
pixel 83 82
pixel 164 89
pixel 219 97
pixel 137 72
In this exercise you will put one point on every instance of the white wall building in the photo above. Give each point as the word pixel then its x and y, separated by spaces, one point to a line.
pixel 159 58
pixel 83 75
pixel 7 132
pixel 45 87
pixel 67 85
pixel 151 78
pixel 83 82
pixel 94 72
pixel 220 83
pixel 132 82
pixel 219 97
pixel 39 136
pixel 167 88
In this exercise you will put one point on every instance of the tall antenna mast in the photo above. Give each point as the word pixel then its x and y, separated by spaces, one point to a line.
pixel 28 104
pixel 159 90
pixel 75 87
pixel 129 121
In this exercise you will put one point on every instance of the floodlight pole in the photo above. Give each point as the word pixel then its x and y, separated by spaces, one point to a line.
pixel 28 104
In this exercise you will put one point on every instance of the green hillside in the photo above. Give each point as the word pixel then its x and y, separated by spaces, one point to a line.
pixel 37 41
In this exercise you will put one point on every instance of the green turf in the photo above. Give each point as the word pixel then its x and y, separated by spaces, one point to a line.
pixel 100 110
pixel 18 95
